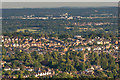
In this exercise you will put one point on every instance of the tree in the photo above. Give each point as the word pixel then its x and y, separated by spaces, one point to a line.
pixel 110 74
pixel 82 66
pixel 104 63
pixel 63 75
pixel 40 57
pixel 114 73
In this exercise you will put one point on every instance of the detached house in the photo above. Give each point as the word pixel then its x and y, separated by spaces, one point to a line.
pixel 99 42
pixel 16 69
pixel 43 74
pixel 7 68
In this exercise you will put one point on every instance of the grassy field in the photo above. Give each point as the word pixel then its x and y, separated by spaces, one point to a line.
pixel 23 30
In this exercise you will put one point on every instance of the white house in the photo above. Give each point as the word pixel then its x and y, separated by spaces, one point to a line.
pixel 7 68
pixel 42 74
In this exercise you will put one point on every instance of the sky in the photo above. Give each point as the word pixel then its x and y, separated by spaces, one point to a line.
pixel 56 4
pixel 60 0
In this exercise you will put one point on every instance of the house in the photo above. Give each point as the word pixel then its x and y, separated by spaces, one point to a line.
pixel 16 69
pixel 107 46
pixel 3 62
pixel 116 47
pixel 96 67
pixel 116 42
pixel 30 69
pixel 39 70
pixel 7 68
pixel 43 74
pixel 65 49
pixel 89 71
pixel 88 48
pixel 99 42
pixel 106 42
pixel 13 77
pixel 61 53
pixel 77 36
pixel 97 48
pixel 26 76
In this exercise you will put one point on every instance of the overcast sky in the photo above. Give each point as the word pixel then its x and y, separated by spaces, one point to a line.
pixel 56 4
pixel 60 0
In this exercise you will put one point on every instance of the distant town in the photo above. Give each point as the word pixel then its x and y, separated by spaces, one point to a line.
pixel 62 17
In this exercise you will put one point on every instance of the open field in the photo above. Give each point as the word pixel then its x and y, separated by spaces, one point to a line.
pixel 23 30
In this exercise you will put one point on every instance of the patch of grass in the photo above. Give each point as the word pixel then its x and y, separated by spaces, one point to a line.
pixel 23 30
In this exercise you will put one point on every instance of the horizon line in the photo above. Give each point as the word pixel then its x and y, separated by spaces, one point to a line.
pixel 59 7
